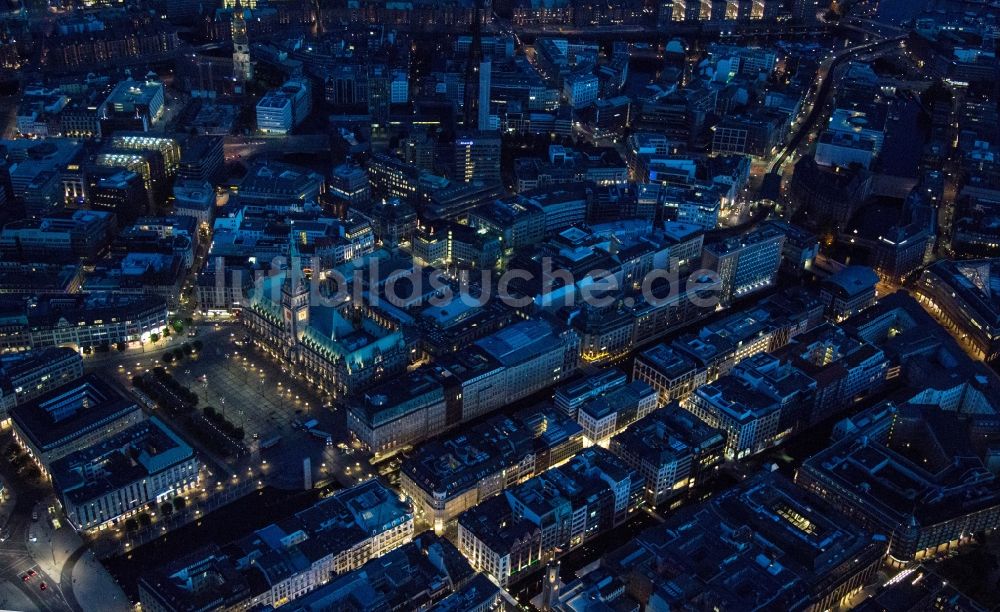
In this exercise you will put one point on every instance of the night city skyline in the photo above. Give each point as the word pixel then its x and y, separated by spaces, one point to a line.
pixel 499 305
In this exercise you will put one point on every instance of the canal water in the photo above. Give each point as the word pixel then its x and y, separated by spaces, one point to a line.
pixel 222 526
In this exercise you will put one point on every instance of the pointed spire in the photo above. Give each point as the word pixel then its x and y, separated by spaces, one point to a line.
pixel 294 278
pixel 470 103
pixel 293 245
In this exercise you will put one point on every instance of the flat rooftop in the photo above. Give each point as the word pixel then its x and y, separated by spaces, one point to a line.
pixel 71 411
pixel 667 361
pixel 140 451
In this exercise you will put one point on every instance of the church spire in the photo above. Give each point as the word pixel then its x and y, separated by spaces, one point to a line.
pixel 294 276
pixel 473 64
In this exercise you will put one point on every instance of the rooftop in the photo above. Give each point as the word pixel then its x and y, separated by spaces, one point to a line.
pixel 71 411
pixel 130 93
pixel 667 361
pixel 32 367
pixel 615 401
pixel 520 342
pixel 733 244
pixel 458 462
pixel 398 397
pixel 279 180
pixel 918 588
pixel 140 451
pixel 76 308
pixel 559 490
pixel 929 469
pixel 407 578
pixel 765 544
pixel 975 282
pixel 737 399
pixel 583 387
pixel 852 281
pixel 329 527
pixel 204 580
pixel 477 594
pixel 667 435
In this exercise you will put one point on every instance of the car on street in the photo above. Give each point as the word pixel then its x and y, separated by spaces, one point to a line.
pixel 43 586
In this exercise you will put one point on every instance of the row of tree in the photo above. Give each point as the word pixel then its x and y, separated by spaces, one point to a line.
pixel 164 389
pixel 186 350
pixel 219 420
pixel 144 519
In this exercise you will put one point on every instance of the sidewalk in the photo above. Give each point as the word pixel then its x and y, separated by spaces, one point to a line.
pixel 62 555
pixel 7 507
pixel 92 586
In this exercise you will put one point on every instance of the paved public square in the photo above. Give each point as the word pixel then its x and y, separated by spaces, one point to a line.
pixel 262 397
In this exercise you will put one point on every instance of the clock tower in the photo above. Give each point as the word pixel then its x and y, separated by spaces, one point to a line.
pixel 295 295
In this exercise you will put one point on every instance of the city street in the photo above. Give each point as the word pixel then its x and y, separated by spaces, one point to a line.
pixel 34 553
pixel 818 105
pixel 16 559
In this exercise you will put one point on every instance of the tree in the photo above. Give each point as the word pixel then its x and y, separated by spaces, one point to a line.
pixel 168 357
pixel 179 503
pixel 121 346
pixel 131 524
pixel 187 348
pixel 145 520
pixel 154 338
pixel 166 508
pixel 197 344
pixel 178 326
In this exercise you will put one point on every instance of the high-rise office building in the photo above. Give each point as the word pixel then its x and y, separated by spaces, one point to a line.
pixel 379 98
pixel 202 157
pixel 120 192
pixel 477 157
